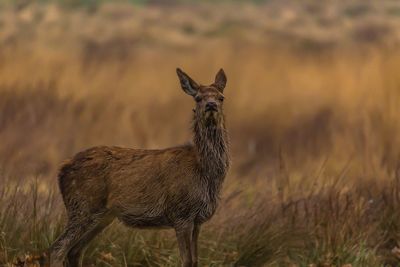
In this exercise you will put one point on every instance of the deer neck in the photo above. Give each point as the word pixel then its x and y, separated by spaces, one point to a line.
pixel 211 143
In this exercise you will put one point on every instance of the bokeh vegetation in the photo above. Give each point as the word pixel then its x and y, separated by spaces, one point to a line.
pixel 311 104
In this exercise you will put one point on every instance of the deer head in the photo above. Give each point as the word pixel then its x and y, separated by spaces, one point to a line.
pixel 209 99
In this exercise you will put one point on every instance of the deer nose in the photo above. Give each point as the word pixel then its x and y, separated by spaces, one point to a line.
pixel 211 106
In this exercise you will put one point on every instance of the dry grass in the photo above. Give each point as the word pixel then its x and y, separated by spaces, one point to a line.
pixel 312 112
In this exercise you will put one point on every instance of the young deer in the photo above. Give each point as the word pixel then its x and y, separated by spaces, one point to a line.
pixel 176 187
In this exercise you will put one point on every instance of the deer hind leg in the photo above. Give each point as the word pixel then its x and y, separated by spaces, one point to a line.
pixel 78 232
pixel 61 246
pixel 184 234
pixel 195 235
pixel 75 254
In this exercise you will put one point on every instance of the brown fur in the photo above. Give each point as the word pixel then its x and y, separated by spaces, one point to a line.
pixel 176 187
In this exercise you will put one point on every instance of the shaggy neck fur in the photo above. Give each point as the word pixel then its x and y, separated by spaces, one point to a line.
pixel 211 142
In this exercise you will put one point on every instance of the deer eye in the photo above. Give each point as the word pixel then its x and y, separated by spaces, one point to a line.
pixel 221 98
pixel 197 98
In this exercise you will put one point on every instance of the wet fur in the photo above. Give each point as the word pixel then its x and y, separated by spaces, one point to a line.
pixel 176 187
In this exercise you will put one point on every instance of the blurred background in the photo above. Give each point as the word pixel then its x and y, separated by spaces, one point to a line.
pixel 312 110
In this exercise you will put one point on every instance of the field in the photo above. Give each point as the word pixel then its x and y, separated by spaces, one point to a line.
pixel 312 106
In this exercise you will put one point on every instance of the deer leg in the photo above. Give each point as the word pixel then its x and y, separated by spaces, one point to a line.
pixel 60 247
pixel 74 260
pixel 75 254
pixel 184 236
pixel 195 235
pixel 77 230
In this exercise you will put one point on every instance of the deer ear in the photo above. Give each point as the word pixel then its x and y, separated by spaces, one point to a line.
pixel 188 85
pixel 220 80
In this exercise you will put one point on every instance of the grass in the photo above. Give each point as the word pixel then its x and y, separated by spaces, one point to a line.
pixel 326 228
pixel 313 123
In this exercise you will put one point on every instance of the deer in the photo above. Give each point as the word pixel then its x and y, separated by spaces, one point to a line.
pixel 177 187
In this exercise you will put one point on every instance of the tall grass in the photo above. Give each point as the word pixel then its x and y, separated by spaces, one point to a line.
pixel 313 126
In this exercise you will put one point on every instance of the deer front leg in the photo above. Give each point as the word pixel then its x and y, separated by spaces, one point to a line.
pixel 184 234
pixel 195 235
